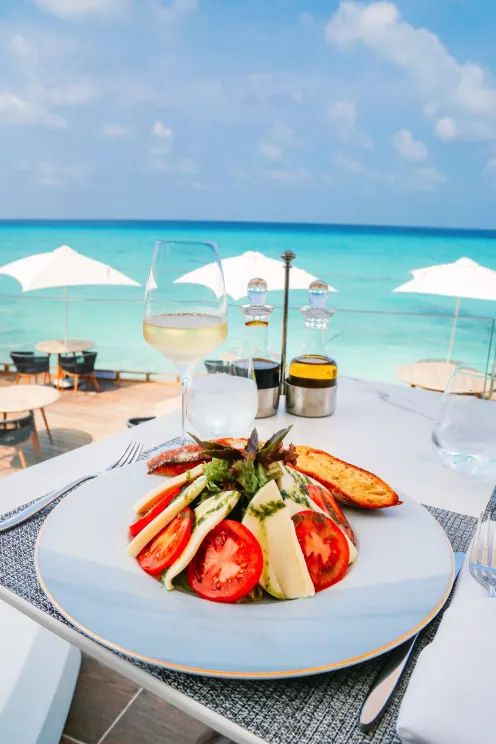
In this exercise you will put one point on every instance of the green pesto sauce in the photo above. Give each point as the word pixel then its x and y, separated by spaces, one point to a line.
pixel 220 503
pixel 265 510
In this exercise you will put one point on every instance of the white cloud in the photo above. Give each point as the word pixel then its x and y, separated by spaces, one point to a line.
pixel 41 89
pixel 279 138
pixel 289 175
pixel 269 150
pixel 80 8
pixel 114 131
pixel 445 128
pixel 426 178
pixel 349 164
pixel 161 156
pixel 161 131
pixel 15 109
pixel 343 115
pixel 449 89
pixel 408 147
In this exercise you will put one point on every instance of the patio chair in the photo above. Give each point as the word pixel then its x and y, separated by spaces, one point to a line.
pixel 14 432
pixel 30 365
pixel 78 366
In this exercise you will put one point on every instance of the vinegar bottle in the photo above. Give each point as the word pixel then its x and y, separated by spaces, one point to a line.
pixel 267 369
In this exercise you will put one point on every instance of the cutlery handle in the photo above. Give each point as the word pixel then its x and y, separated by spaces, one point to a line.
pixel 379 696
pixel 36 506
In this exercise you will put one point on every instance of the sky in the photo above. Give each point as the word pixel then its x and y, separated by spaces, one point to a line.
pixel 284 110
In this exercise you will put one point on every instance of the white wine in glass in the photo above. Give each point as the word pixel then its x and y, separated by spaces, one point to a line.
pixel 185 319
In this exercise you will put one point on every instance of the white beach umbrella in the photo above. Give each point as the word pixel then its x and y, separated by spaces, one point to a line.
pixel 62 267
pixel 463 278
pixel 238 270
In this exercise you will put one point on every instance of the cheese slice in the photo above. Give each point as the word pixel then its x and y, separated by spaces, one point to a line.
pixel 171 511
pixel 207 516
pixel 293 489
pixel 285 574
pixel 153 497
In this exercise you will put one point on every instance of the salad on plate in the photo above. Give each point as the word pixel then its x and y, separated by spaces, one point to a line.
pixel 241 519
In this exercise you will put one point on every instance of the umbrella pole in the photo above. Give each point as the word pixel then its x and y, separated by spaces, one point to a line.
pixel 287 257
pixel 453 328
pixel 65 316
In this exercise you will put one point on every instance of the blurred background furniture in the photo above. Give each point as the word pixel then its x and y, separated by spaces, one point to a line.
pixel 137 420
pixel 434 374
pixel 78 366
pixel 19 398
pixel 14 432
pixel 29 365
pixel 38 675
pixel 70 346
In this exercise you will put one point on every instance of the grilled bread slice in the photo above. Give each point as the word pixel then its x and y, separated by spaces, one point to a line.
pixel 348 483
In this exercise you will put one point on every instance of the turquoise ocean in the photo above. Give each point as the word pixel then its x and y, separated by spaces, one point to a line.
pixel 372 333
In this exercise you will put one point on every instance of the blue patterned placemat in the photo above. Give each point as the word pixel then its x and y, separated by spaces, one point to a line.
pixel 311 710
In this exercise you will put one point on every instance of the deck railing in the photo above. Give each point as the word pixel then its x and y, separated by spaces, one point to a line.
pixel 370 343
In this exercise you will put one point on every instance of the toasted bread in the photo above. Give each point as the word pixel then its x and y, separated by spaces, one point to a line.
pixel 349 484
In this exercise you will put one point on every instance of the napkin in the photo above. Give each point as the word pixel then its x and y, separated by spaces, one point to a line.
pixel 450 698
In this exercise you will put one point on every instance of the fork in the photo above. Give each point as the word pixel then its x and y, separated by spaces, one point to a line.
pixel 127 457
pixel 482 561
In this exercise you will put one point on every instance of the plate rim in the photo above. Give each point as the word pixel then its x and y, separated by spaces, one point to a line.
pixel 227 674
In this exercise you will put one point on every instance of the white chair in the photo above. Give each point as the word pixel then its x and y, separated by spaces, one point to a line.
pixel 38 674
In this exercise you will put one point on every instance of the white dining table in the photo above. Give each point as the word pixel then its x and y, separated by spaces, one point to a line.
pixel 384 428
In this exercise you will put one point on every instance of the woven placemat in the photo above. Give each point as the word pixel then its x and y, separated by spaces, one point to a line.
pixel 312 710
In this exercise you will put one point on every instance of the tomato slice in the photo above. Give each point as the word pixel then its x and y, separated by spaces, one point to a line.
pixel 330 506
pixel 137 526
pixel 324 547
pixel 228 563
pixel 168 545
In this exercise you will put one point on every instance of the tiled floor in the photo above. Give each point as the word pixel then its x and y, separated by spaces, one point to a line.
pixel 109 709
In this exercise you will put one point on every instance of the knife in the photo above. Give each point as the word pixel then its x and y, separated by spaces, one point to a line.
pixel 384 686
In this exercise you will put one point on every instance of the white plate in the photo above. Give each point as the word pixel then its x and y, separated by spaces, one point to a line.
pixel 401 579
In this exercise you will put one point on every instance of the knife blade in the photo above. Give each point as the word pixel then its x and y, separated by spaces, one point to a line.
pixel 384 686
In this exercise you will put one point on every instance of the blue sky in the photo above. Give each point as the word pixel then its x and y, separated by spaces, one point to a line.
pixel 357 112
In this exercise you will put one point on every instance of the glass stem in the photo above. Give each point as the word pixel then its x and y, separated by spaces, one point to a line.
pixel 185 380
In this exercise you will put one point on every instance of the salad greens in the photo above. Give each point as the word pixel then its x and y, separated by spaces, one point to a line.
pixel 246 469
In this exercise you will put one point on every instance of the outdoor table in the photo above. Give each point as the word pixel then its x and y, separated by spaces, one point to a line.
pixel 59 346
pixel 383 428
pixel 434 374
pixel 17 398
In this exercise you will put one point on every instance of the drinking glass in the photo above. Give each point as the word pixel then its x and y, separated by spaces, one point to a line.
pixel 224 402
pixel 183 319
pixel 464 434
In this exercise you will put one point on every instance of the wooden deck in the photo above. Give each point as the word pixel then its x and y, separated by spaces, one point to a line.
pixel 82 417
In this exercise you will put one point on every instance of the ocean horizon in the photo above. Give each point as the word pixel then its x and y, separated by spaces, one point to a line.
pixel 372 333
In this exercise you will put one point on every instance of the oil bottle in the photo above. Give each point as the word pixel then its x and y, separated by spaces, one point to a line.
pixel 311 387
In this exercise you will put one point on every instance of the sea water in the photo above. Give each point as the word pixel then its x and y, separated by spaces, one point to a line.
pixel 372 333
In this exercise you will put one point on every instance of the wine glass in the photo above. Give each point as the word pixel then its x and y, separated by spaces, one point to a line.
pixel 464 434
pixel 224 401
pixel 183 319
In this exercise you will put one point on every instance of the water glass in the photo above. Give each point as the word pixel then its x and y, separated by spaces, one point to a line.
pixel 464 434
pixel 223 402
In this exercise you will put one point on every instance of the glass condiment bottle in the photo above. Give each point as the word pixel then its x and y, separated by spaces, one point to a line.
pixel 267 369
pixel 311 387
